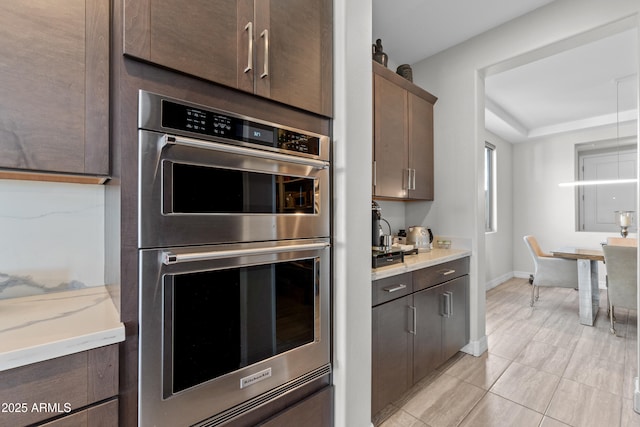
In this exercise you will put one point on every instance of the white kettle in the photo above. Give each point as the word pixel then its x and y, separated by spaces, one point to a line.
pixel 420 237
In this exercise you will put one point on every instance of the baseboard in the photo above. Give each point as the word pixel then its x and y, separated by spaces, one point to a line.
pixel 495 282
pixel 476 348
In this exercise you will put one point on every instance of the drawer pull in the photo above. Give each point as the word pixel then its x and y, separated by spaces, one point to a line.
pixel 395 288
pixel 447 272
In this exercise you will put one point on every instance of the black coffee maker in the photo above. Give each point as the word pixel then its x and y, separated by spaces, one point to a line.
pixel 376 215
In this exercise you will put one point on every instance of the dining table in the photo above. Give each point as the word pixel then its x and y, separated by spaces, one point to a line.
pixel 588 289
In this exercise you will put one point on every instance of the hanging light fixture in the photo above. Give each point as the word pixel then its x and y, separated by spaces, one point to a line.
pixel 617 180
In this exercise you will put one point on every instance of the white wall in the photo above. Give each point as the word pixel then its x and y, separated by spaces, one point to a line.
pixel 541 207
pixel 498 244
pixel 352 136
pixel 456 77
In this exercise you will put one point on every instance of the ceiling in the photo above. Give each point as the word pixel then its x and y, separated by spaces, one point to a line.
pixel 590 85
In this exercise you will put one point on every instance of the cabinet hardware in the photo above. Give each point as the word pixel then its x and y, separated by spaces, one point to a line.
pixel 169 257
pixel 408 179
pixel 265 35
pixel 395 288
pixel 249 29
pixel 415 319
pixel 447 272
pixel 412 176
pixel 170 140
pixel 450 308
pixel 446 303
pixel 374 173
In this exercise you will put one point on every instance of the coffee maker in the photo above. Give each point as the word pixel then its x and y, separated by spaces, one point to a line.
pixel 382 252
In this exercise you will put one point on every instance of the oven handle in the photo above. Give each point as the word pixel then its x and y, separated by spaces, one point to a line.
pixel 234 149
pixel 169 258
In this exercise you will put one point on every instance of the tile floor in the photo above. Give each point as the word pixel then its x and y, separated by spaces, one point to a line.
pixel 542 369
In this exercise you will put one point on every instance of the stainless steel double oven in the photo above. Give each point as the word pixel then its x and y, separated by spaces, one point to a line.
pixel 234 252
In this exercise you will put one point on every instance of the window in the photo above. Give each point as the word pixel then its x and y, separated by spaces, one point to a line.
pixel 597 203
pixel 489 187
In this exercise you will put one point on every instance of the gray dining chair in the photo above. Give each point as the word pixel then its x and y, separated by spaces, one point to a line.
pixel 622 287
pixel 550 271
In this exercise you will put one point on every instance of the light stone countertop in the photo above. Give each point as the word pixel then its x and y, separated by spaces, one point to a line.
pixel 43 327
pixel 419 261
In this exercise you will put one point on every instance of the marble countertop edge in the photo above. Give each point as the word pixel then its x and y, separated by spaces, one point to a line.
pixel 51 350
pixel 43 327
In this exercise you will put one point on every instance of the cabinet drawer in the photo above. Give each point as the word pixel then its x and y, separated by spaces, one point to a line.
pixel 440 273
pixel 391 288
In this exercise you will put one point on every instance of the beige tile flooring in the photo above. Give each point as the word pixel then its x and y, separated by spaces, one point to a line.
pixel 542 369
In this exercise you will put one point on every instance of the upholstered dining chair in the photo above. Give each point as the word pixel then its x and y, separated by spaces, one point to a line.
pixel 622 287
pixel 550 271
pixel 618 241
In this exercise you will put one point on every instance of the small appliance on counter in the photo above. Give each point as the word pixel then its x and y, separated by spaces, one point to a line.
pixel 382 258
pixel 420 237
pixel 379 240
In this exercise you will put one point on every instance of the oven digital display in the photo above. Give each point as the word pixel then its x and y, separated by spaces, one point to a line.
pixel 206 122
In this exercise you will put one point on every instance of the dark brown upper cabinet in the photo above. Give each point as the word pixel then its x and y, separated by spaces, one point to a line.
pixel 402 138
pixel 281 50
pixel 54 88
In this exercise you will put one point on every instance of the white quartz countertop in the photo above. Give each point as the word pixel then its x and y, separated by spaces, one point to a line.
pixel 419 261
pixel 43 327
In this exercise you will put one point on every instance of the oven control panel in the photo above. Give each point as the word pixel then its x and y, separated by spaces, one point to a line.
pixel 227 126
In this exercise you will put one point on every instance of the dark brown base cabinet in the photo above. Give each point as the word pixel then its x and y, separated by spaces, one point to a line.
pixel 76 390
pixel 419 320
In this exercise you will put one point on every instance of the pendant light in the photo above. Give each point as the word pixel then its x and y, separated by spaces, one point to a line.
pixel 617 180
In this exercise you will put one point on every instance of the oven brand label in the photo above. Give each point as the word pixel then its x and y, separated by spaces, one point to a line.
pixel 254 378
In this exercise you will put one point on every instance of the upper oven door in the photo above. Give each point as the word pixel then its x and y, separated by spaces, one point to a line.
pixel 196 192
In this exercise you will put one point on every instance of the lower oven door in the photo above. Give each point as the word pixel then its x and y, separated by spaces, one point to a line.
pixel 221 327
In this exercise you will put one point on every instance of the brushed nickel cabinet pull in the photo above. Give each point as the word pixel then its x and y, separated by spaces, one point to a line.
pixel 396 288
pixel 265 35
pixel 249 29
pixel 415 319
pixel 447 272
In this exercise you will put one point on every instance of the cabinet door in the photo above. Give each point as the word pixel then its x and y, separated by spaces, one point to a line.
pixel 390 137
pixel 455 322
pixel 199 37
pixel 54 86
pixel 421 147
pixel 427 345
pixel 391 355
pixel 294 52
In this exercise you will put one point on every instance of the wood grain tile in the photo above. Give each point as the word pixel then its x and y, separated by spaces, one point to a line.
pixel 402 419
pixel 527 386
pixel 629 417
pixel 545 357
pixel 505 345
pixel 495 411
pixel 550 422
pixel 577 404
pixel 603 374
pixel 445 402
pixel 482 371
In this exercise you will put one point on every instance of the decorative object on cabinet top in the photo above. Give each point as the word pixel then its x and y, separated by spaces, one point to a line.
pixel 378 55
pixel 402 82
pixel 405 71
